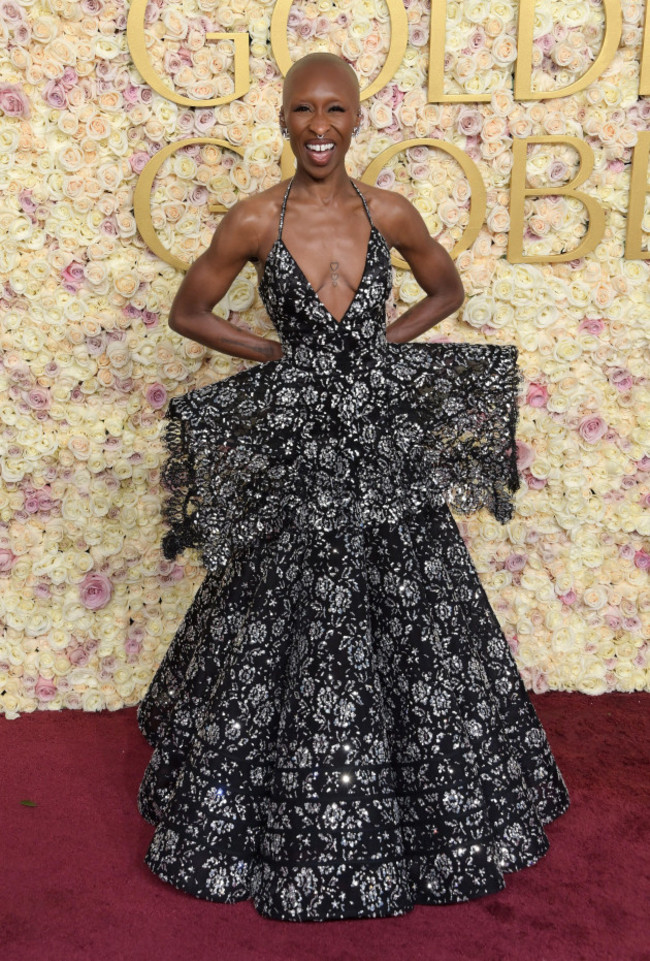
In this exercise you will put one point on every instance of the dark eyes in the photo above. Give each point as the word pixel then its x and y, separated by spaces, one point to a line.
pixel 304 106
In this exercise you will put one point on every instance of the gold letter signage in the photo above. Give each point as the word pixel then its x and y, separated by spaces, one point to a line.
pixel 519 192
pixel 140 56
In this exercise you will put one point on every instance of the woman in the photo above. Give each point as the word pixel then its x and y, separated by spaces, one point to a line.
pixel 340 729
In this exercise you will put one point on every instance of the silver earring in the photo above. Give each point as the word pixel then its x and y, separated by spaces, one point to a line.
pixel 284 131
pixel 355 132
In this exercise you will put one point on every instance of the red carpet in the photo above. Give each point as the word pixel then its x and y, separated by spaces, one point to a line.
pixel 75 888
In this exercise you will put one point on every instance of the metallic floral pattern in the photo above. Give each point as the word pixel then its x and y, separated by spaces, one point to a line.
pixel 339 726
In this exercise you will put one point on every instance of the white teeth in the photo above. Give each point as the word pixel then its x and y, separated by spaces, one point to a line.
pixel 320 147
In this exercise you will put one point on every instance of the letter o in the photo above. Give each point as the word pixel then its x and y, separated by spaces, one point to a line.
pixel 142 196
pixel 478 201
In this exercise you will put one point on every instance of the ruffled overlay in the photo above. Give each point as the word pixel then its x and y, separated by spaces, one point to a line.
pixel 425 424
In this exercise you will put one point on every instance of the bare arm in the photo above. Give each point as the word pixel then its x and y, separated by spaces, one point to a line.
pixel 432 268
pixel 235 241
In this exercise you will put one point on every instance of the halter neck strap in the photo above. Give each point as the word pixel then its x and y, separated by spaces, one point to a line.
pixel 284 207
pixel 286 195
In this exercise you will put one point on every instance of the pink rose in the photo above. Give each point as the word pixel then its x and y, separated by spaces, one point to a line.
pixel 535 483
pixel 477 39
pixel 515 562
pixel 108 227
pixel 94 346
pixel 644 463
pixel 306 29
pixel 537 395
pixel 39 398
pixel 13 101
pixel 204 120
pixel 30 501
pixel 185 123
pixel 45 689
pixel 621 378
pixel 77 655
pixel 26 202
pixel 469 122
pixel 149 319
pixel 138 161
pixel 55 95
pixel 592 325
pixel 569 598
pixel 95 590
pixel 156 395
pixel 592 428
pixel 419 171
pixel 132 646
pixel 72 277
pixel 22 34
pixel 69 78
pixel 198 194
pixel 545 43
pixel 44 494
pixel 172 62
pixel 418 36
pixel 558 171
pixel 11 12
pixel 385 179
pixel 7 559
pixel 131 94
pixel 642 560
pixel 525 455
pixel 169 572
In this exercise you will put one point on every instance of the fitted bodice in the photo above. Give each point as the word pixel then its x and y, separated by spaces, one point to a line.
pixel 309 334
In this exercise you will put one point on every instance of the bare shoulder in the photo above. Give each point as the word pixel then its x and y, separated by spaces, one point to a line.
pixel 250 222
pixel 393 214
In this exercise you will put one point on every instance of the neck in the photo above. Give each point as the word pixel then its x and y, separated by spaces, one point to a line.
pixel 323 190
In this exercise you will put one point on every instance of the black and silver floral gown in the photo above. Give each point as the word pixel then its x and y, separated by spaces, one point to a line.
pixel 339 726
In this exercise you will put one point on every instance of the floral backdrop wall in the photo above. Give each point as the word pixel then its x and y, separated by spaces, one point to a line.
pixel 88 603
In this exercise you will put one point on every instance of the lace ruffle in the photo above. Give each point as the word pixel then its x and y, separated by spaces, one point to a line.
pixel 432 423
pixel 461 444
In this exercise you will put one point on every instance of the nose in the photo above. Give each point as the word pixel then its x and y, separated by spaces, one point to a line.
pixel 319 123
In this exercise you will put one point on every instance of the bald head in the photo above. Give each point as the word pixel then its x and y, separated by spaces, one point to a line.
pixel 313 66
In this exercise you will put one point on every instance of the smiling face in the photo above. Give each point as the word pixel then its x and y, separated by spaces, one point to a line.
pixel 320 97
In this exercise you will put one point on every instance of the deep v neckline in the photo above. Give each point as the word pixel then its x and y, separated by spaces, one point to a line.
pixel 310 287
pixel 313 290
